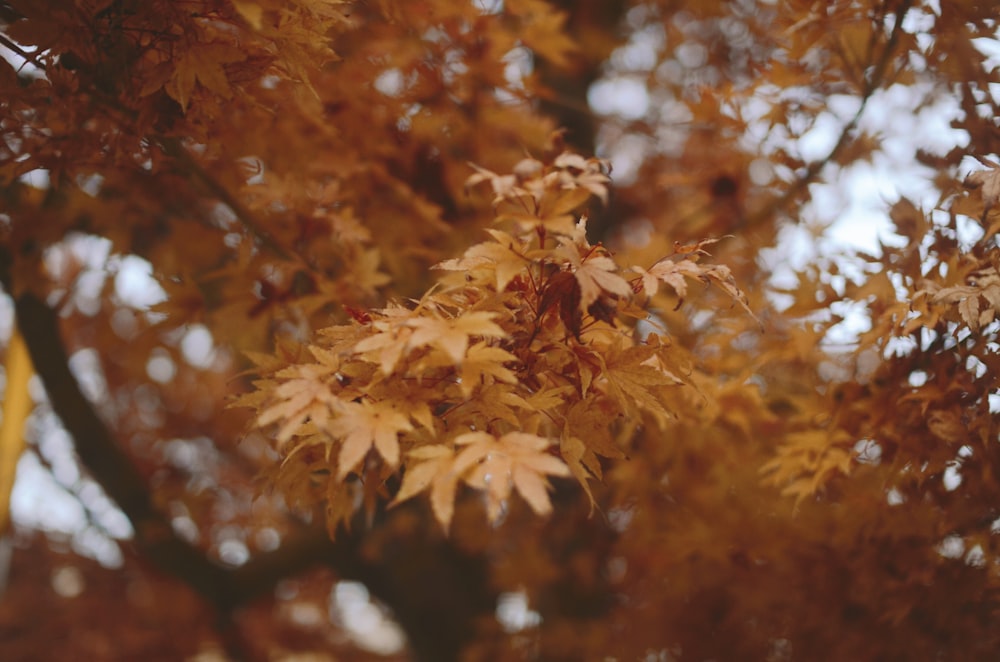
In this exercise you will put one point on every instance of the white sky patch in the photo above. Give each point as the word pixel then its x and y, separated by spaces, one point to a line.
pixel 817 142
pixel 135 285
pixel 390 82
pixel 854 205
pixel 991 49
pixel 518 66
pixel 351 606
pixel 37 501
pixel 514 614
pixel 624 96
pixel 160 367
pixel 626 155
pixel 641 53
pixel 488 6
pixel 197 346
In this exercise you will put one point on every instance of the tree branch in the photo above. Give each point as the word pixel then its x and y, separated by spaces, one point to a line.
pixel 436 592
pixel 111 467
pixel 873 83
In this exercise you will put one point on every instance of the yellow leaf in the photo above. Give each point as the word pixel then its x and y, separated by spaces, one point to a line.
pixel 630 380
pixel 386 347
pixel 598 277
pixel 572 451
pixel 452 335
pixel 437 471
pixel 304 397
pixel 16 407
pixel 484 362
pixel 517 460
pixel 496 258
pixel 595 272
pixel 252 12
pixel 359 426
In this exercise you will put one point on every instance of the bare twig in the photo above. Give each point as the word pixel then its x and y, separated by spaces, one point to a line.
pixel 873 83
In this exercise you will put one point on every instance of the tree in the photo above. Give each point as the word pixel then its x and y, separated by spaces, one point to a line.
pixel 413 333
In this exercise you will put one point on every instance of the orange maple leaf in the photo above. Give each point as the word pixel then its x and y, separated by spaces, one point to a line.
pixel 989 180
pixel 499 257
pixel 452 335
pixel 517 460
pixel 437 471
pixel 595 272
pixel 361 425
pixel 202 63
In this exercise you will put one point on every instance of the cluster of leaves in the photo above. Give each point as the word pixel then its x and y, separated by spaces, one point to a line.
pixel 523 362
pixel 933 305
pixel 288 165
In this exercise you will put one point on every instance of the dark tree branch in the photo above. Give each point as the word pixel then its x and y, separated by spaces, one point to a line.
pixel 436 592
pixel 564 95
pixel 875 80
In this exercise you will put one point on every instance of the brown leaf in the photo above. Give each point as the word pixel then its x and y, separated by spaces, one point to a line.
pixel 989 180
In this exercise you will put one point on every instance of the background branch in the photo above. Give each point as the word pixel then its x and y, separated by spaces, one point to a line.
pixel 436 592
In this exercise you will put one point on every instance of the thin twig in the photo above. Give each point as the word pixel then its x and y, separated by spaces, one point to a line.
pixel 15 48
pixel 873 83
pixel 172 147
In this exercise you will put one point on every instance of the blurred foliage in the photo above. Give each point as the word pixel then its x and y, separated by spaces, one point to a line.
pixel 742 486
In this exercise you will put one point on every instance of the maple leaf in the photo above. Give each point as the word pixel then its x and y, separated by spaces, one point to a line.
pixel 542 30
pixel 366 274
pixel 252 12
pixel 629 378
pixel 569 160
pixel 202 63
pixel 527 168
pixel 808 459
pixel 598 277
pixel 984 282
pixel 498 257
pixel 588 421
pixel 574 452
pixel 386 346
pixel 505 187
pixel 549 398
pixel 483 361
pixel 586 174
pixel 359 426
pixel 562 289
pixel 595 272
pixel 452 335
pixel 672 272
pixel 722 277
pixel 517 460
pixel 306 396
pixel 436 469
pixel 698 247
pixel 555 209
pixel 497 402
pixel 989 180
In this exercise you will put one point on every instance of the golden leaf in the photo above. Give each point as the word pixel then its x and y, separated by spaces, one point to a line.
pixel 516 460
pixel 359 426
pixel 435 470
pixel 452 335
pixel 496 257
pixel 988 180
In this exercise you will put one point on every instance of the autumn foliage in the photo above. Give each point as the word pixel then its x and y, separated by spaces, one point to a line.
pixel 397 293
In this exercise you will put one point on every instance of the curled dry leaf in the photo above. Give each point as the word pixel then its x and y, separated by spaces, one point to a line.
pixel 988 180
